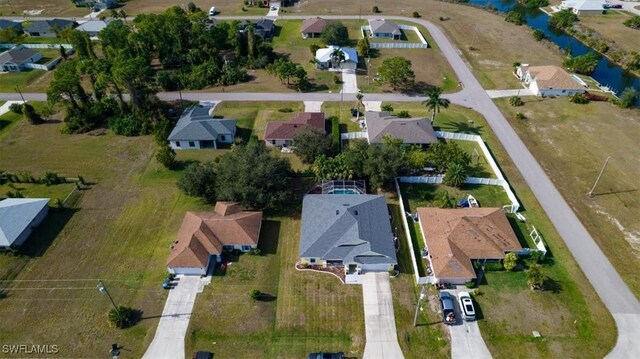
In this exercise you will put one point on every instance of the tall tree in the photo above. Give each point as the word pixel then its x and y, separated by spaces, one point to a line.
pixel 434 103
pixel 310 143
pixel 65 86
pixel 335 33
pixel 134 75
pixel 337 58
pixel 397 72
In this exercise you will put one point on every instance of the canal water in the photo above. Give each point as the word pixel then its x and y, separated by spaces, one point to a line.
pixel 607 73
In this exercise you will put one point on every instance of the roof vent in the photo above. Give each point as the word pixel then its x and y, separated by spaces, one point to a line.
pixel 355 212
pixel 337 212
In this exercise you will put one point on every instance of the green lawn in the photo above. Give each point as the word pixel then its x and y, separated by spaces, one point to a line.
pixel 9 119
pixel 347 122
pixel 28 80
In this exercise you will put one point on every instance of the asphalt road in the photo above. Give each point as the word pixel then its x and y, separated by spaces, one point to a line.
pixel 619 300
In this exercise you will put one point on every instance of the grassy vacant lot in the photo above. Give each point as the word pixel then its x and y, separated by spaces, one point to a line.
pixel 49 8
pixel 571 142
pixel 29 80
pixel 10 118
pixel 223 7
pixel 610 27
pixel 583 324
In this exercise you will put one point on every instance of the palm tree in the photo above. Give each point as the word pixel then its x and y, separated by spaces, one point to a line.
pixel 435 102
pixel 337 57
pixel 456 175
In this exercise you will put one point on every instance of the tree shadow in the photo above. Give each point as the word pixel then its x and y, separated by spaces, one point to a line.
pixel 465 127
pixel 516 229
pixel 269 237
pixel 552 285
pixel 266 297
pixel 42 237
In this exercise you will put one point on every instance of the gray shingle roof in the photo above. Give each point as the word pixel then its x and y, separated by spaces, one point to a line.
pixel 384 26
pixel 410 130
pixel 6 24
pixel 17 55
pixel 93 26
pixel 48 25
pixel 196 124
pixel 351 228
pixel 16 214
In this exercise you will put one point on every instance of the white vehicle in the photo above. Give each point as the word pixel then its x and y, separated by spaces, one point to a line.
pixel 212 11
pixel 466 306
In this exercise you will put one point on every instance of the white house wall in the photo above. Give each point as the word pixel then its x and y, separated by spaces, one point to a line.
pixel 184 145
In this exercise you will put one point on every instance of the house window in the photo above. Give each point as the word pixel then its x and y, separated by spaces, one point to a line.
pixel 222 138
pixel 192 144
pixel 273 142
pixel 227 248
pixel 177 143
pixel 312 260
pixel 246 248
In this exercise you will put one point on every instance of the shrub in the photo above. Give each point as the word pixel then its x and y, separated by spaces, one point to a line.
pixel 478 292
pixel 510 261
pixel 456 175
pixel 51 178
pixel 375 9
pixel 255 252
pixel 520 116
pixel 470 284
pixel 255 294
pixel 16 108
pixel 125 125
pixel 515 101
pixel 31 114
pixel 563 19
pixel 535 278
pixel 515 17
pixel 123 317
pixel 536 256
pixel 387 107
pixel 579 98
pixel 493 267
pixel 166 156
pixel 416 14
pixel 336 80
pixel 584 64
pixel 628 97
pixel 539 35
pixel 403 114
pixel 633 23
pixel 285 109
pixel 313 48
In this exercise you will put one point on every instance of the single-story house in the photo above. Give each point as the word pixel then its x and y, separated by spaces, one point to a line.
pixel 8 24
pixel 18 217
pixel 549 80
pixel 281 133
pixel 48 28
pixel 93 27
pixel 18 59
pixel 313 27
pixel 105 4
pixel 349 231
pixel 584 7
pixel 411 130
pixel 386 29
pixel 262 28
pixel 325 58
pixel 203 236
pixel 197 129
pixel 455 238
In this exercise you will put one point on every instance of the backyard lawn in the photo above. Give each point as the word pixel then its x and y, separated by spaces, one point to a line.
pixel 27 81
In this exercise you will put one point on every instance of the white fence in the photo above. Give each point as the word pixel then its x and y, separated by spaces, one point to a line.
pixel 352 135
pixel 48 66
pixel 407 234
pixel 422 179
pixel 423 44
pixel 537 239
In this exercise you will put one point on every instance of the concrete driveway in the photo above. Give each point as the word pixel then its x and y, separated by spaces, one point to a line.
pixel 169 339
pixel 379 320
pixel 466 340
pixel 349 81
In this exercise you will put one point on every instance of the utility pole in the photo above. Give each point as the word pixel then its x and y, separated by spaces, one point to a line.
pixel 17 89
pixel 103 290
pixel 599 175
pixel 422 295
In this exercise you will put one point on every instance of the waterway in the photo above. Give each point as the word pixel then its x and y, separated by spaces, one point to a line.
pixel 607 73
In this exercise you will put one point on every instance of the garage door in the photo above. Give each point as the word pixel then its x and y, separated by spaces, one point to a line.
pixel 375 267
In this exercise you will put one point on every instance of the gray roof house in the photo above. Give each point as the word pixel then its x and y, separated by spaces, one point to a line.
pixel 18 216
pixel 17 59
pixel 411 130
pixel 382 28
pixel 197 129
pixel 93 27
pixel 47 28
pixel 8 24
pixel 350 231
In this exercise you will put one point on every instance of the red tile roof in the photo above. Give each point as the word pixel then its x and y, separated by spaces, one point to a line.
pixel 281 130
pixel 204 233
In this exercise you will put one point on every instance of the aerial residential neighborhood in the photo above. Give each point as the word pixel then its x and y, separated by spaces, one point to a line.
pixel 319 179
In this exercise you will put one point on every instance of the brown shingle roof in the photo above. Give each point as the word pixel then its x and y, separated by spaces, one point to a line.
pixel 204 233
pixel 280 130
pixel 552 77
pixel 313 25
pixel 456 236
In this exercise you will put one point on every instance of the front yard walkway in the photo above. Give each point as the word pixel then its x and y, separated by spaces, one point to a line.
pixel 379 320
pixel 169 339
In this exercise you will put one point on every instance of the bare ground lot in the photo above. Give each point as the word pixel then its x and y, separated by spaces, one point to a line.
pixel 49 8
pixel 610 26
pixel 571 142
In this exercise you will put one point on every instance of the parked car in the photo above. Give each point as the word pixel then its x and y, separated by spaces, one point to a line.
pixel 166 284
pixel 448 308
pixel 616 6
pixel 321 355
pixel 466 306
pixel 273 8
pixel 212 11
pixel 202 355
pixel 606 6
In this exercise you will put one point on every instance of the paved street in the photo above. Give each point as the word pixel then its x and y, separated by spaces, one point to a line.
pixel 379 320
pixel 616 296
pixel 169 339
